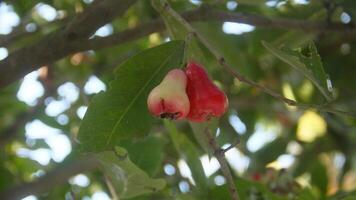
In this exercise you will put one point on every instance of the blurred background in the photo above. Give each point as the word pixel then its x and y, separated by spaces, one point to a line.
pixel 279 144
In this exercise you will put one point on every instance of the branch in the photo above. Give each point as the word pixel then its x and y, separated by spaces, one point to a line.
pixel 21 32
pixel 207 14
pixel 220 156
pixel 54 178
pixel 73 38
pixel 61 43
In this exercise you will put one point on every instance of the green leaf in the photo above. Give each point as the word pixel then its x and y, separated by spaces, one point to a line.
pixel 176 27
pixel 307 194
pixel 311 67
pixel 129 180
pixel 189 152
pixel 6 178
pixel 147 153
pixel 319 177
pixel 246 190
pixel 251 2
pixel 200 135
pixel 268 153
pixel 115 114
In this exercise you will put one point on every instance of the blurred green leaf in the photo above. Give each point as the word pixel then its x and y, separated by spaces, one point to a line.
pixel 115 114
pixel 128 179
pixel 246 190
pixel 306 194
pixel 319 177
pixel 6 178
pixel 189 152
pixel 268 153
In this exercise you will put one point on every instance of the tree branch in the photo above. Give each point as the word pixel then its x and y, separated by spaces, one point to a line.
pixel 60 44
pixel 21 32
pixel 220 156
pixel 73 38
pixel 54 178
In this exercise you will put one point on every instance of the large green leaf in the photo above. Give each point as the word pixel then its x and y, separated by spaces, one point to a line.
pixel 310 66
pixel 122 110
pixel 128 179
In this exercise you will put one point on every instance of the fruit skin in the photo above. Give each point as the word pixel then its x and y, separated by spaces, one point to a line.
pixel 169 99
pixel 206 99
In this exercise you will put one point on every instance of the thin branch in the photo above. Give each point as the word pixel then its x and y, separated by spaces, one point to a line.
pixel 20 31
pixel 233 145
pixel 73 39
pixel 220 156
pixel 209 14
pixel 52 179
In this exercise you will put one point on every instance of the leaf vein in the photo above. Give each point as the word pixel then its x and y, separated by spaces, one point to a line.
pixel 135 97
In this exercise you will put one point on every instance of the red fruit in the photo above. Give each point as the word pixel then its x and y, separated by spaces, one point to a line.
pixel 169 99
pixel 206 100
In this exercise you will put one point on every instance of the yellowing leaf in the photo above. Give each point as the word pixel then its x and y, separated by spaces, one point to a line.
pixel 310 126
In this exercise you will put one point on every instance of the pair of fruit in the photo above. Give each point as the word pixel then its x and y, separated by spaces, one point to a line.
pixel 187 94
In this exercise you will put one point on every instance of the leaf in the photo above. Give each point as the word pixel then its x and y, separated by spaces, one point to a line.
pixel 319 177
pixel 246 190
pixel 147 153
pixel 176 27
pixel 115 114
pixel 311 67
pixel 6 178
pixel 200 135
pixel 268 153
pixel 189 152
pixel 307 194
pixel 251 2
pixel 129 180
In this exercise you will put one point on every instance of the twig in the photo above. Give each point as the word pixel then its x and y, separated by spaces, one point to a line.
pixel 233 145
pixel 220 156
